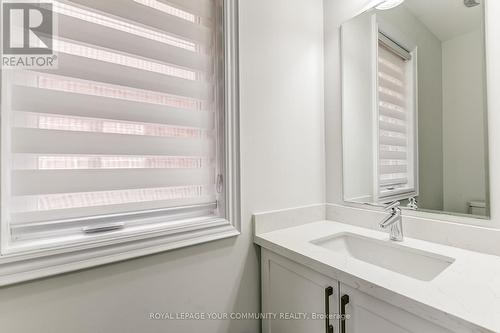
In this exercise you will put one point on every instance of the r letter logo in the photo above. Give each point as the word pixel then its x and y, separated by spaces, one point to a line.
pixel 27 39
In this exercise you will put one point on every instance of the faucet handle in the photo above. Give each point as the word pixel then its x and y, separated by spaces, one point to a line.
pixel 392 205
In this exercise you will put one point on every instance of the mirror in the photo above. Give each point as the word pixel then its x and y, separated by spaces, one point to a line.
pixel 414 106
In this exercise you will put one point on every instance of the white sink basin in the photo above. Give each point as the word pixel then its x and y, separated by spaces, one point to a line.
pixel 418 264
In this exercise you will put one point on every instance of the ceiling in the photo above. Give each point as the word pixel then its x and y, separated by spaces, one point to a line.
pixel 446 18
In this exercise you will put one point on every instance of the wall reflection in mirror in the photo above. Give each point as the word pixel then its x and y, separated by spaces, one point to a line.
pixel 414 106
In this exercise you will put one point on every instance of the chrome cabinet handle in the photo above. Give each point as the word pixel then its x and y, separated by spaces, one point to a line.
pixel 328 326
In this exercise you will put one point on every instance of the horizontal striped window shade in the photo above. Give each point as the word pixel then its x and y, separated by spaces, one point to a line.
pixel 395 120
pixel 127 128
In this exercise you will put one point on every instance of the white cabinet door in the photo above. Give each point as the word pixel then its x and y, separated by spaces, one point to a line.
pixel 370 315
pixel 289 289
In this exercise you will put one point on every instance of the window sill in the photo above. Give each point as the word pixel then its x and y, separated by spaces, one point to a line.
pixel 17 267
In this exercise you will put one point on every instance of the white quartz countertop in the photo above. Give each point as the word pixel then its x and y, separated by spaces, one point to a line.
pixel 465 297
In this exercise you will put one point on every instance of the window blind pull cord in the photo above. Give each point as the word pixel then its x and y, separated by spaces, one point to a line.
pixel 220 183
pixel 103 228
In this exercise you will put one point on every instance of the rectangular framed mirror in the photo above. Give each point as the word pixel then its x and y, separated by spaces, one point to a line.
pixel 414 110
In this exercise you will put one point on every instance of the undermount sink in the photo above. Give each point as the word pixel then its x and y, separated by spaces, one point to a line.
pixel 418 264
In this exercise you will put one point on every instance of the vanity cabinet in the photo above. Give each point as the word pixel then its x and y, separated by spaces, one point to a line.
pixel 368 314
pixel 300 297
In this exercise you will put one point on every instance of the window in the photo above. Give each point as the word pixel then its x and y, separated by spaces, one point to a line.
pixel 397 177
pixel 130 141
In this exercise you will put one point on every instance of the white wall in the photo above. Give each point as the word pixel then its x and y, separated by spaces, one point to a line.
pixel 335 13
pixel 463 122
pixel 282 148
pixel 357 102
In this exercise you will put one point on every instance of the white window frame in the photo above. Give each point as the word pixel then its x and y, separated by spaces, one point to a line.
pixel 379 26
pixel 17 266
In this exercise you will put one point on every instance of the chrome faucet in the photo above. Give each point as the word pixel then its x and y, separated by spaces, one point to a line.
pixel 394 221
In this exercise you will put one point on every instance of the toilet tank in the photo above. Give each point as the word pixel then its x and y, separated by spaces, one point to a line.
pixel 477 208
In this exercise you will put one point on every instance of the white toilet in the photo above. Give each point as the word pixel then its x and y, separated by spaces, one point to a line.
pixel 477 208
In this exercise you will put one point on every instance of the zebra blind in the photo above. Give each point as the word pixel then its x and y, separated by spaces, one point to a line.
pixel 396 120
pixel 126 128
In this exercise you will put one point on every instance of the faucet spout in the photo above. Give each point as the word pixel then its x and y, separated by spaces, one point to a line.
pixel 394 221
pixel 390 220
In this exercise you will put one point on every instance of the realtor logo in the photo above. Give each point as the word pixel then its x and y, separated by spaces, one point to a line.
pixel 27 38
